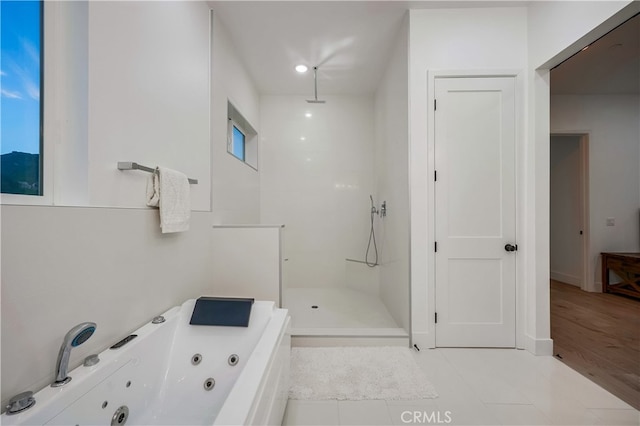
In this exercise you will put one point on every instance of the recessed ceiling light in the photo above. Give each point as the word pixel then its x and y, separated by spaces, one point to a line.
pixel 301 68
pixel 307 114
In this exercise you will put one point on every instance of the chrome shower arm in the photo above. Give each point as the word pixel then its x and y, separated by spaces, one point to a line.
pixel 315 88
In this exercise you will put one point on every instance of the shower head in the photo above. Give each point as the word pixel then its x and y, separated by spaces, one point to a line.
pixel 79 334
pixel 315 88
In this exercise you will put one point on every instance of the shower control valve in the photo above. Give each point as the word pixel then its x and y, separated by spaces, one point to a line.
pixel 383 209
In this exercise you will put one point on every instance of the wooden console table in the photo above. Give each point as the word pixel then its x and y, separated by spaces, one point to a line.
pixel 627 267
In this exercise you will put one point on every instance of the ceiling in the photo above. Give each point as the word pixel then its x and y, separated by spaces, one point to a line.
pixel 611 65
pixel 351 42
pixel 348 41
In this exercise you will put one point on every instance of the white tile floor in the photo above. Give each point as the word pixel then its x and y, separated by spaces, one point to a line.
pixel 482 387
pixel 338 307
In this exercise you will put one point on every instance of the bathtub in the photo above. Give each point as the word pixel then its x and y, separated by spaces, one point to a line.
pixel 177 374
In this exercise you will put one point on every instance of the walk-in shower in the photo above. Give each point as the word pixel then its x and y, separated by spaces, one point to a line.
pixel 324 175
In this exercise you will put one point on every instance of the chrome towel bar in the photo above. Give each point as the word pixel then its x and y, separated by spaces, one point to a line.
pixel 130 165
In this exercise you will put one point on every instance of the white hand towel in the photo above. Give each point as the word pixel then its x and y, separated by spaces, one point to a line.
pixel 169 190
pixel 153 190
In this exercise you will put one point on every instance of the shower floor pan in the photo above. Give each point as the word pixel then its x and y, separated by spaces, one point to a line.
pixel 326 316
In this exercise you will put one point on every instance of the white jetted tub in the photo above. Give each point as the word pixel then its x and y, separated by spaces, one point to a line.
pixel 174 373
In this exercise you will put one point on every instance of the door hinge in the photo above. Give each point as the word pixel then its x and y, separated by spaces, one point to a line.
pixel 436 317
pixel 435 175
pixel 435 246
pixel 435 104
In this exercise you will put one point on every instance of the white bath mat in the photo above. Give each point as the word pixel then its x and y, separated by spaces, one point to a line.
pixel 357 373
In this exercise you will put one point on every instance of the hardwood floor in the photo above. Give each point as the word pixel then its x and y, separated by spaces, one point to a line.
pixel 598 335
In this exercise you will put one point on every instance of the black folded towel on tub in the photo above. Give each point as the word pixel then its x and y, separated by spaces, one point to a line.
pixel 226 311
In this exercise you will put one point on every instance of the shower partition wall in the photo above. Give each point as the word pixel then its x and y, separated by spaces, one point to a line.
pixel 318 169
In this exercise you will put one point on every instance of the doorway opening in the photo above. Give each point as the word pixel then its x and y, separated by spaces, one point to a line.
pixel 592 91
pixel 569 204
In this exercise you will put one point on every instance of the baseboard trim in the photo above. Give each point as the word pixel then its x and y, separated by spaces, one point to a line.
pixel 565 278
pixel 539 347
pixel 535 346
pixel 597 287
pixel 423 340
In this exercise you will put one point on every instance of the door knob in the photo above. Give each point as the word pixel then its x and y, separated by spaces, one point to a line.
pixel 511 247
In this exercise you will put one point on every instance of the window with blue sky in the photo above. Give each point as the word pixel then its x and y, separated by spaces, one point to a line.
pixel 238 143
pixel 20 113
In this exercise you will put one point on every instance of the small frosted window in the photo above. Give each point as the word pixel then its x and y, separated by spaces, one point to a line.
pixel 237 143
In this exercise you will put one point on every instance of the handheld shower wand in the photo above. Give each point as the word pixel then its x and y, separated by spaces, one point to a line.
pixel 74 337
pixel 372 237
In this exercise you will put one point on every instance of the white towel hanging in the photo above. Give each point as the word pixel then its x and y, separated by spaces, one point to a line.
pixel 169 190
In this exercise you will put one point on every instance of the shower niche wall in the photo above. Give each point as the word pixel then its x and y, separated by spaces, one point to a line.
pixel 320 163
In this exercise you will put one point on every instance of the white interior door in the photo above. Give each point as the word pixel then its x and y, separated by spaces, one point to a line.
pixel 475 212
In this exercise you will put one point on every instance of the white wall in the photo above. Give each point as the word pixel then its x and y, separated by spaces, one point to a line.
pixel 614 175
pixel 235 185
pixel 130 83
pixel 452 39
pixel 318 186
pixel 124 81
pixel 557 26
pixel 392 179
pixel 66 103
pixel 149 92
pixel 566 210
pixel 65 265
pixel 246 261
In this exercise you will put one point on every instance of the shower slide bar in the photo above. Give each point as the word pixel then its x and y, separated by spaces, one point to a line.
pixel 130 165
pixel 359 261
